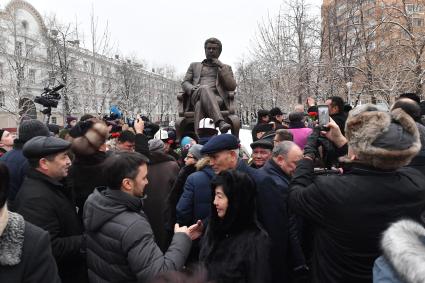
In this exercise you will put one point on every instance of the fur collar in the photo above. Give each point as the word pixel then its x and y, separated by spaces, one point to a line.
pixel 12 240
pixel 202 163
pixel 403 245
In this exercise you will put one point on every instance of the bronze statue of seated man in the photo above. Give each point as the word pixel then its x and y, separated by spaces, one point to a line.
pixel 208 84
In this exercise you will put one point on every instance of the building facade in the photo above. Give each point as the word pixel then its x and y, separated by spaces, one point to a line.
pixel 35 55
pixel 373 50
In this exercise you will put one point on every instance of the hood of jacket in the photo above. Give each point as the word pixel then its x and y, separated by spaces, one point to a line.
pixel 403 245
pixel 104 204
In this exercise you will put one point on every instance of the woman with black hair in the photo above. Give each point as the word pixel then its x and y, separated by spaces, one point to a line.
pixel 235 248
pixel 25 252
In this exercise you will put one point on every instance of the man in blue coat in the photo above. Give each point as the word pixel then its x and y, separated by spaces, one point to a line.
pixel 280 168
pixel 15 160
pixel 223 152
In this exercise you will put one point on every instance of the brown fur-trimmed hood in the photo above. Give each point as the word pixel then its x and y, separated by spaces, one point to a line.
pixel 366 123
pixel 202 163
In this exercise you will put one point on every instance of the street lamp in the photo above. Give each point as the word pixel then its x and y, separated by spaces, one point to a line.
pixel 349 85
pixel 273 102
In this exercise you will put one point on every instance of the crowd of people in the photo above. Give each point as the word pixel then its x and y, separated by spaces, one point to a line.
pixel 104 201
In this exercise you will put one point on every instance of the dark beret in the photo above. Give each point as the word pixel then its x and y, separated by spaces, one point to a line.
pixel 39 147
pixel 264 128
pixel 219 143
pixel 262 143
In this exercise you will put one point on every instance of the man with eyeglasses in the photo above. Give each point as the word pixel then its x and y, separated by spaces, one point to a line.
pixel 282 135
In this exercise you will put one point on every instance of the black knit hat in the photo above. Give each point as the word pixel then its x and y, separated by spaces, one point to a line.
pixel 32 128
pixel 275 112
pixel 262 113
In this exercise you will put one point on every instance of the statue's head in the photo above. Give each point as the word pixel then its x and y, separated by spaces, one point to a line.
pixel 212 48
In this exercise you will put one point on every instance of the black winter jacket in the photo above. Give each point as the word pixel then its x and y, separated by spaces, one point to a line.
pixel 238 258
pixel 295 256
pixel 86 174
pixel 272 214
pixel 47 204
pixel 25 253
pixel 18 167
pixel 120 242
pixel 350 212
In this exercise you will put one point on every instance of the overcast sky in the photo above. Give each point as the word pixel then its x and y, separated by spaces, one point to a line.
pixel 170 31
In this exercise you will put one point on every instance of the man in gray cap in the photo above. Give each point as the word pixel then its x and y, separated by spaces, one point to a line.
pixel 261 152
pixel 44 201
pixel 15 160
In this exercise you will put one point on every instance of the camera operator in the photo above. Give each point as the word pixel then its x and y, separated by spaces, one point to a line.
pixel 350 211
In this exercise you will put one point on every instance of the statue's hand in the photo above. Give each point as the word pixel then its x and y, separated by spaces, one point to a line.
pixel 217 62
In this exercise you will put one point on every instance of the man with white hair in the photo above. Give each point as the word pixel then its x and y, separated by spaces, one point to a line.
pixel 280 167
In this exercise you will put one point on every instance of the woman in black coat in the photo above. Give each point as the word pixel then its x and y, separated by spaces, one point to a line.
pixel 234 248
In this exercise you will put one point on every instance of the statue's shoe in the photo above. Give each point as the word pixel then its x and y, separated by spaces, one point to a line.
pixel 224 127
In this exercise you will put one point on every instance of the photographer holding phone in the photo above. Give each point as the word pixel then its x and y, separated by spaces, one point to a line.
pixel 336 111
pixel 350 211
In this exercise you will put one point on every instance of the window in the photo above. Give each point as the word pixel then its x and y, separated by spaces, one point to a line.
pixel 52 78
pixel 92 67
pixel 30 51
pixel 86 65
pixel 418 22
pixel 341 8
pixel 18 48
pixel 31 76
pixel 2 98
pixel 54 120
pixel 1 71
pixel 413 8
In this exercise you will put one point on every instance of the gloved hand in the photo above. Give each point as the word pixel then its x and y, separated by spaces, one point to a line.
pixel 311 147
pixel 81 128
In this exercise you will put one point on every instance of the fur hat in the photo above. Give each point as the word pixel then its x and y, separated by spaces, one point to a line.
pixel 383 140
pixel 88 136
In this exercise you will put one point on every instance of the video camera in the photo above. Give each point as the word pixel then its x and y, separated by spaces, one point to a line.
pixel 150 128
pixel 50 97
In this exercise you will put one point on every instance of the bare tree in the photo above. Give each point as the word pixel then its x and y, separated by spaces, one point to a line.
pixel 282 70
pixel 62 54
pixel 17 46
